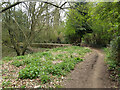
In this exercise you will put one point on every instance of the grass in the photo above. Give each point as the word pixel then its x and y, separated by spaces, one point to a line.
pixel 40 65
pixel 113 67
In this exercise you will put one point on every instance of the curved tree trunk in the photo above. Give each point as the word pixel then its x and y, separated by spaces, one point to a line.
pixel 23 53
pixel 17 52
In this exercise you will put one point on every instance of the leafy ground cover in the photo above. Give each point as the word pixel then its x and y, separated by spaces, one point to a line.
pixel 113 66
pixel 42 69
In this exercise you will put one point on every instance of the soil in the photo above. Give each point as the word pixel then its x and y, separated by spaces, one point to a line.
pixel 91 73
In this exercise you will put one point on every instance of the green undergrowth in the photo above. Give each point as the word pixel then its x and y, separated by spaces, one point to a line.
pixel 113 66
pixel 41 65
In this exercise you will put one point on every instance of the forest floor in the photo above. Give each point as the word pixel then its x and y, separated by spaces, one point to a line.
pixel 91 73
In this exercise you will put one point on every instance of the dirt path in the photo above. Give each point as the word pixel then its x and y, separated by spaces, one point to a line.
pixel 91 73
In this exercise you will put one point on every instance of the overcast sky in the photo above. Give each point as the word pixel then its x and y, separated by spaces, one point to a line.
pixel 66 0
pixel 58 1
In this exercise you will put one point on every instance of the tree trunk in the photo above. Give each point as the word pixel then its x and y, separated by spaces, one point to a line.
pixel 18 53
pixel 23 53
pixel 80 40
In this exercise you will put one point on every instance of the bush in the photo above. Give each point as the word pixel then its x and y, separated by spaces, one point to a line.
pixel 97 39
pixel 54 70
pixel 115 49
pixel 27 61
pixel 29 72
pixel 112 63
pixel 45 78
pixel 17 63
pixel 65 66
pixel 77 60
pixel 20 57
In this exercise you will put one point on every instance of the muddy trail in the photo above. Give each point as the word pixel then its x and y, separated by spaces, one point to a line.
pixel 91 73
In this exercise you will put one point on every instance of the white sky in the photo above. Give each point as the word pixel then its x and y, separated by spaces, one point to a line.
pixel 62 13
pixel 66 0
pixel 75 0
pixel 58 1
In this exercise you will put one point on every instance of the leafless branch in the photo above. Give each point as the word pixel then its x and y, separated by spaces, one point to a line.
pixel 24 3
pixel 10 6
pixel 63 4
pixel 56 5
pixel 19 27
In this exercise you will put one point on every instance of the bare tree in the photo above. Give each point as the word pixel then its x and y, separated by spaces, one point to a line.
pixel 36 16
pixel 15 27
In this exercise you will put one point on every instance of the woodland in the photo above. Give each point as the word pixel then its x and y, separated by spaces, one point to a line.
pixel 76 24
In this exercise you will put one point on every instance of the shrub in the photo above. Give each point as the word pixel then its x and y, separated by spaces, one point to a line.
pixel 115 49
pixel 17 63
pixel 27 61
pixel 64 66
pixel 20 57
pixel 77 60
pixel 45 78
pixel 29 72
pixel 46 54
pixel 112 64
pixel 55 70
pixel 67 66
